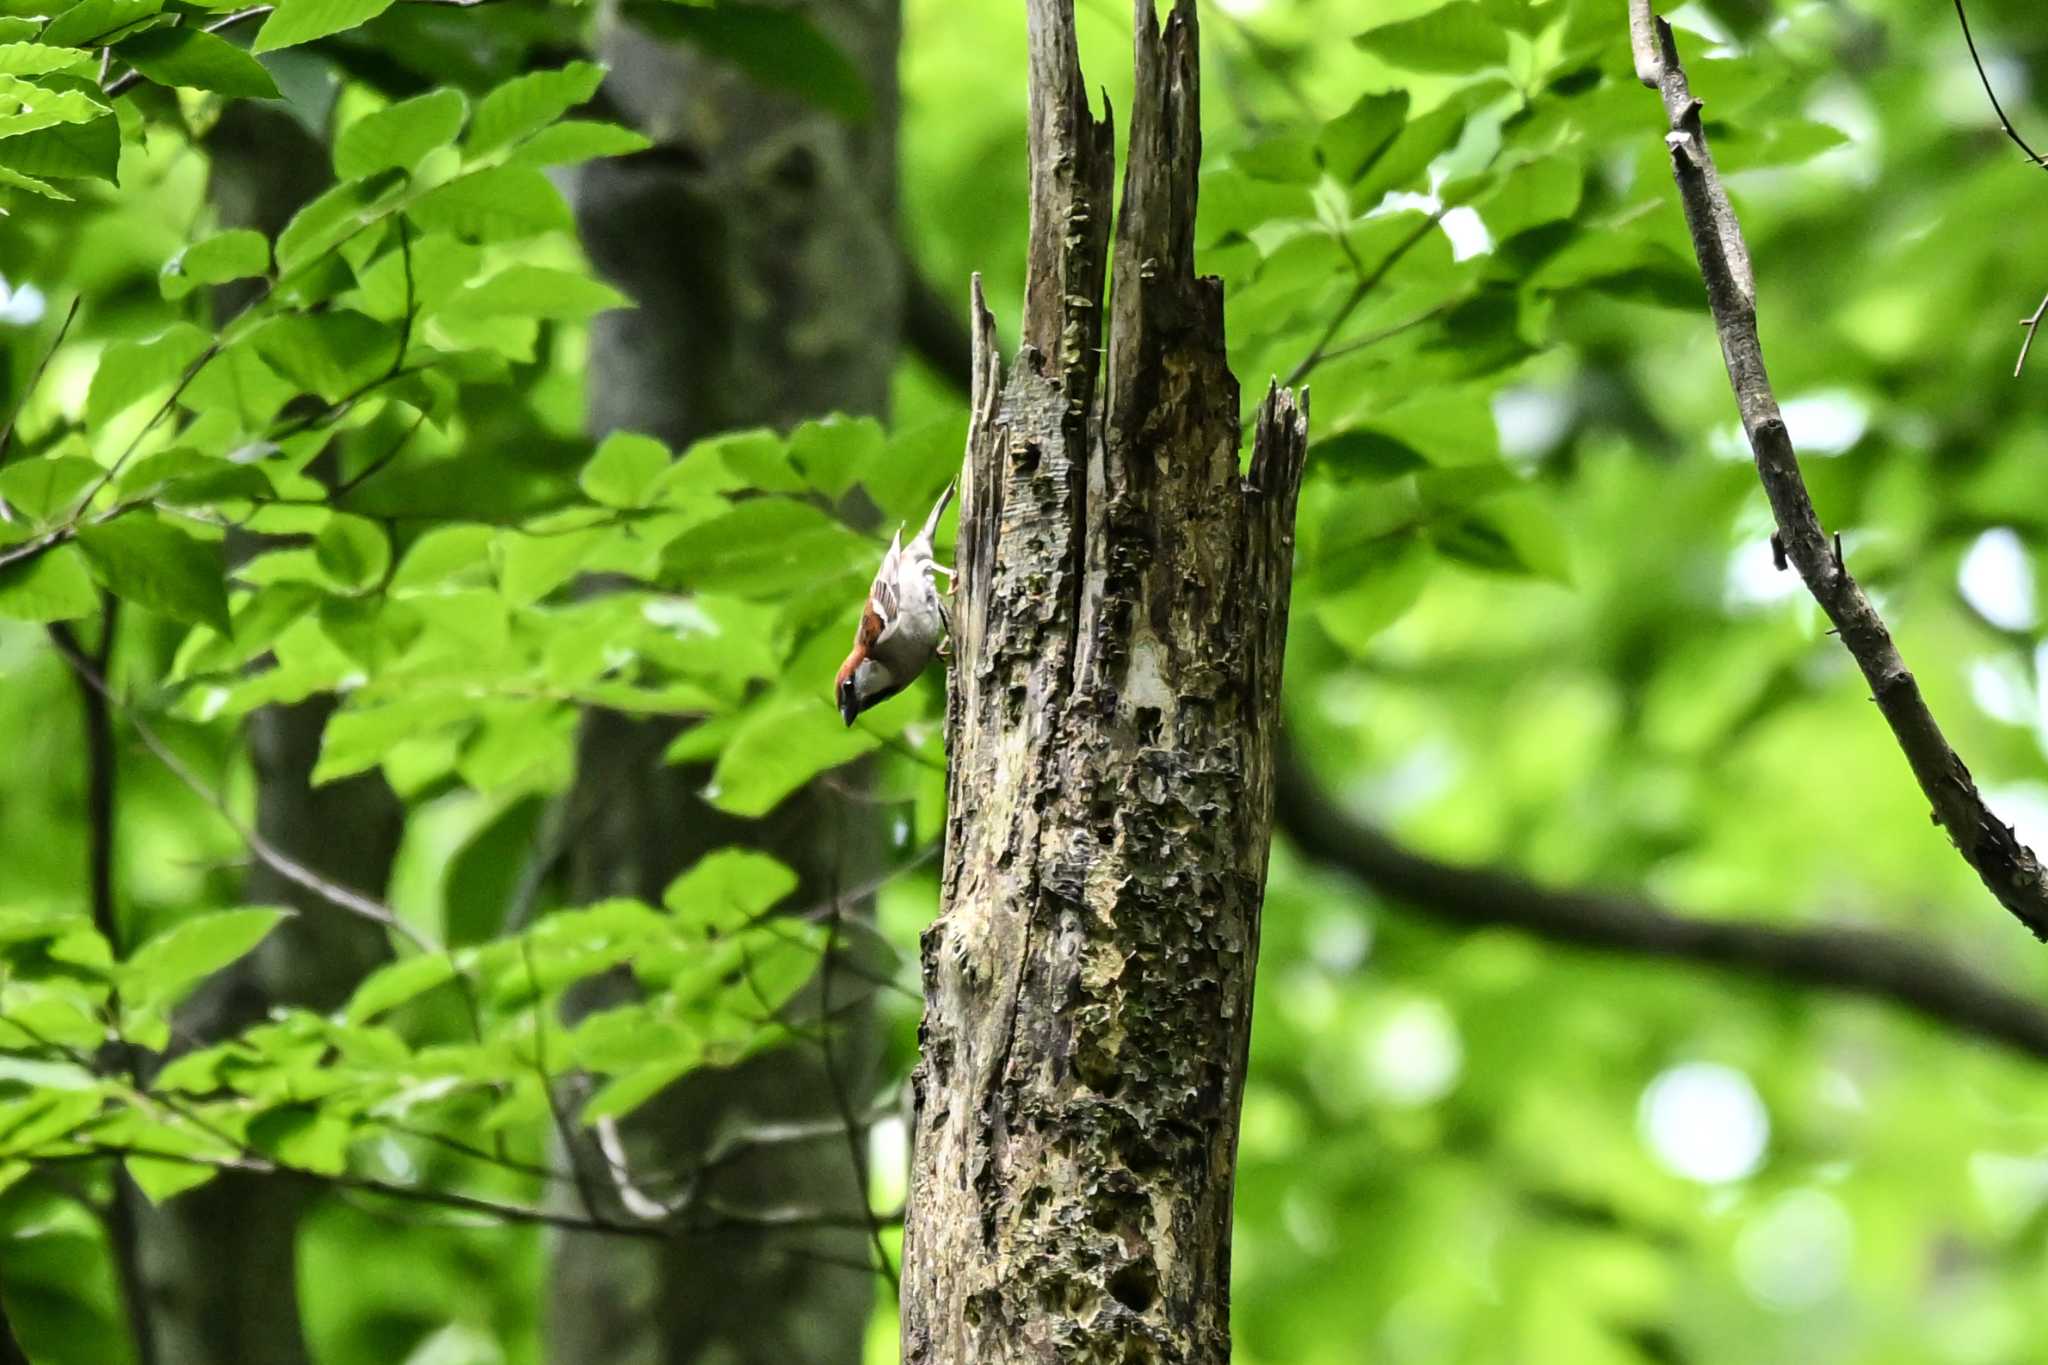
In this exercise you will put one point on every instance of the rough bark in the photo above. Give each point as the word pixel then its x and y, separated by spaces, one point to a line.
pixel 758 240
pixel 221 1260
pixel 1114 697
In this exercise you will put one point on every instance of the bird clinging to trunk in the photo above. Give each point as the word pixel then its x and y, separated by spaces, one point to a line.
pixel 903 624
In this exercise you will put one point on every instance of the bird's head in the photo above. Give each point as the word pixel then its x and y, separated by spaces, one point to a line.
pixel 861 683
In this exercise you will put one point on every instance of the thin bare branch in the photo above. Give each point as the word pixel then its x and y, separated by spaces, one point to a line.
pixel 1971 42
pixel 2007 867
pixel 842 1104
pixel 1360 292
pixel 250 1163
pixel 28 392
pixel 2033 325
pixel 567 1134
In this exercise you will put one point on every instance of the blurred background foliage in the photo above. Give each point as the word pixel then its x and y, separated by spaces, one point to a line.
pixel 1536 626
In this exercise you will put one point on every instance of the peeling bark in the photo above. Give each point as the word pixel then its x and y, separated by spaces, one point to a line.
pixel 1113 703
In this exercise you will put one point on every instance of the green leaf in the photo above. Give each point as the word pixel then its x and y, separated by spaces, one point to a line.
pixel 621 1095
pixel 528 103
pixel 394 984
pixel 532 566
pixel 353 550
pixel 1422 139
pixel 140 559
pixel 53 586
pixel 45 487
pixel 1516 534
pixel 161 971
pixel 301 21
pixel 1542 191
pixel 484 875
pixel 1387 585
pixel 238 385
pixel 330 218
pixel 623 471
pixel 130 371
pixel 67 151
pixel 232 255
pixel 1367 454
pixel 27 105
pixel 535 291
pixel 400 136
pixel 161 1179
pixel 35 59
pixel 783 743
pixel 259 618
pixel 359 738
pixel 760 459
pixel 725 889
pixel 332 353
pixel 91 20
pixel 502 204
pixel 1360 136
pixel 1457 38
pixel 778 47
pixel 763 547
pixel 373 630
pixel 835 452
pixel 302 1137
pixel 15 180
pixel 576 140
pixel 198 60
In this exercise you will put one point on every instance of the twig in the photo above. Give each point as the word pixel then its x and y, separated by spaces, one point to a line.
pixel 2007 867
pixel 1392 330
pixel 376 466
pixel 128 79
pixel 1359 293
pixel 2033 325
pixel 7 432
pixel 841 1103
pixel 1991 94
pixel 563 1130
pixel 253 1164
pixel 405 326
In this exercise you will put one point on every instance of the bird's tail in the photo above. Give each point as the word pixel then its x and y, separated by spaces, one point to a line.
pixel 931 523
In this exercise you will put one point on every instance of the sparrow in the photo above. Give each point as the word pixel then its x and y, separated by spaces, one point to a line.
pixel 903 625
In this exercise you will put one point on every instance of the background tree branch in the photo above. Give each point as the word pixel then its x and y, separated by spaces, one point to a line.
pixel 1892 968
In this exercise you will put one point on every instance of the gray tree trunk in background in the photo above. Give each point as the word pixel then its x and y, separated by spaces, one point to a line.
pixel 221 1260
pixel 758 239
pixel 1115 693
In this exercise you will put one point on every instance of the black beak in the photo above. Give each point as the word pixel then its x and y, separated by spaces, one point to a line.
pixel 849 704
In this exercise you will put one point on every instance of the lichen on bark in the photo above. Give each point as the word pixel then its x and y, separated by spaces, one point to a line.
pixel 1119 626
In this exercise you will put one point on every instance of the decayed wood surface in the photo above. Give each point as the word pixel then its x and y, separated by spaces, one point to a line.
pixel 1114 694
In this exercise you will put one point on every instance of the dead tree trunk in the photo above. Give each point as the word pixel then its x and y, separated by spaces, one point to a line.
pixel 1115 691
